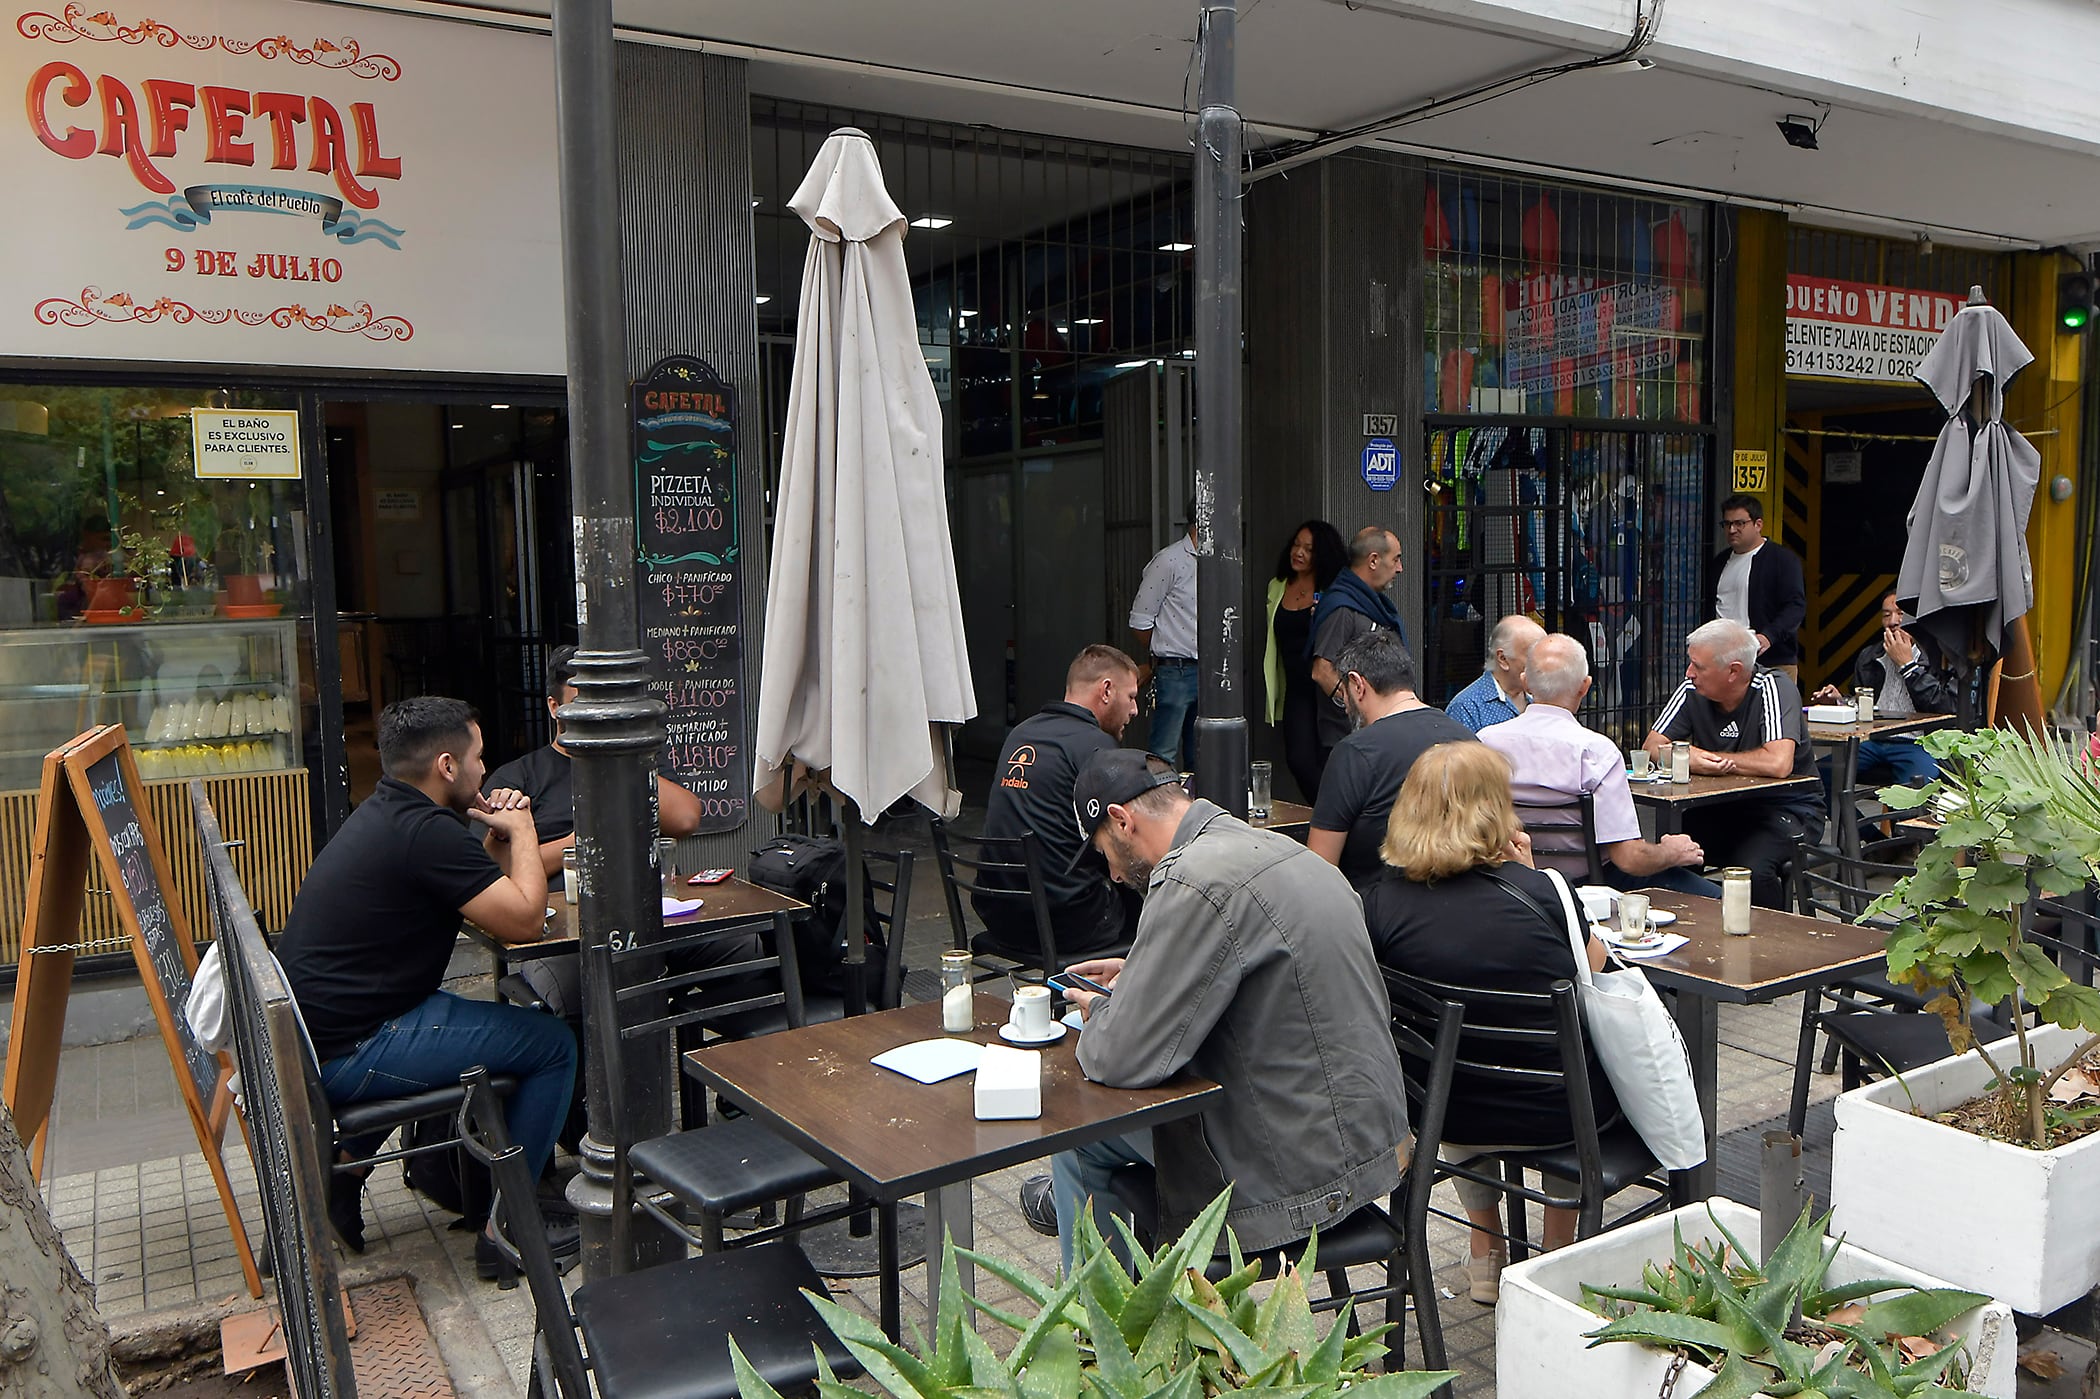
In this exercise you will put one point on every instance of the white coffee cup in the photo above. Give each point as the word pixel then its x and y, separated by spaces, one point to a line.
pixel 1031 1017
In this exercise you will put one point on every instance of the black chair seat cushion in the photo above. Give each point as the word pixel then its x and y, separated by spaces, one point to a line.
pixel 1028 954
pixel 1880 988
pixel 729 1165
pixel 381 1114
pixel 1623 1156
pixel 1885 1042
pixel 1363 1238
pixel 663 1333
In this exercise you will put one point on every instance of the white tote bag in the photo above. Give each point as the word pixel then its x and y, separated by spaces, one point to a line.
pixel 1636 1039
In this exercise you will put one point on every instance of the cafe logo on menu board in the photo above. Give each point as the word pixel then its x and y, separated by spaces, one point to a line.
pixel 689 572
pixel 280 183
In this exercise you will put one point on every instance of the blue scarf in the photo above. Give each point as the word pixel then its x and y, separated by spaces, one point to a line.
pixel 1350 593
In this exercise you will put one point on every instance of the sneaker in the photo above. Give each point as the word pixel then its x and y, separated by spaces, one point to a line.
pixel 1039 1205
pixel 346 1209
pixel 1484 1275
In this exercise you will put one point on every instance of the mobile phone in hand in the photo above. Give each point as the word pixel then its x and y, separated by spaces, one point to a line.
pixel 711 877
pixel 1069 981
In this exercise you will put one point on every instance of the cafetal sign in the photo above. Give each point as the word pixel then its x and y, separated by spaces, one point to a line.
pixel 1855 330
pixel 240 182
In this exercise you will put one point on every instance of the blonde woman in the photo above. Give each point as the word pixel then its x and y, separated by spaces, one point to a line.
pixel 1447 908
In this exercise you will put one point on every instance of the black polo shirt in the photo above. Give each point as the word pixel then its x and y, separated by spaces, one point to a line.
pixel 1032 791
pixel 1364 774
pixel 1771 708
pixel 545 775
pixel 373 926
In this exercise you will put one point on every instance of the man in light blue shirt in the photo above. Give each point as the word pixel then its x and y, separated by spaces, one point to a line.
pixel 1498 694
pixel 1163 618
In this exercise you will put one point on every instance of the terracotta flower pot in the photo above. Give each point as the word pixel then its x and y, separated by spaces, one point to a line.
pixel 112 594
pixel 244 589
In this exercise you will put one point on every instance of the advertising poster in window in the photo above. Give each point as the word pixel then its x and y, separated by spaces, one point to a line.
pixel 238 182
pixel 1856 330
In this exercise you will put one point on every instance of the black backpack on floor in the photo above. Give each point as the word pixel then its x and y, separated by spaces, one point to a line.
pixel 813 869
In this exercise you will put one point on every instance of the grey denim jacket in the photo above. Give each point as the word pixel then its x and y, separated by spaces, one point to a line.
pixel 1251 967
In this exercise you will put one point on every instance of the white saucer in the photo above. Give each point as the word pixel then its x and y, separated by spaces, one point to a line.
pixel 1660 918
pixel 1006 1032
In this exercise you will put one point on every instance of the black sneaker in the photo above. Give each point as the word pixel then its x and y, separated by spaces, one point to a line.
pixel 346 1210
pixel 1039 1205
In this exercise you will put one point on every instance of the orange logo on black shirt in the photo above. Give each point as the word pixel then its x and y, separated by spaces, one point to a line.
pixel 1017 765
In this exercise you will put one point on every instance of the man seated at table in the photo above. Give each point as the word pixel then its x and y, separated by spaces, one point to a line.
pixel 1032 791
pixel 1393 728
pixel 1744 720
pixel 1554 760
pixel 374 924
pixel 545 775
pixel 1497 693
pixel 1908 677
pixel 1251 968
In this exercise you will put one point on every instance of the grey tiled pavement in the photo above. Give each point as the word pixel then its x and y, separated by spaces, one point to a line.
pixel 137 1208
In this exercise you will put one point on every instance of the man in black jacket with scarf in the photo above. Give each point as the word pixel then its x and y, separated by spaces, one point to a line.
pixel 1759 584
pixel 1353 604
pixel 1907 676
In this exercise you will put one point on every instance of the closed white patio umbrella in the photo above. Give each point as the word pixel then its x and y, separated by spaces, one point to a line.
pixel 864 656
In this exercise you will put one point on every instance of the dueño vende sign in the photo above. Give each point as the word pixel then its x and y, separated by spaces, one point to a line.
pixel 1857 330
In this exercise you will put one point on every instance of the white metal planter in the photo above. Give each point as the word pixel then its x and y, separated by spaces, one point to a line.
pixel 2021 1225
pixel 1540 1352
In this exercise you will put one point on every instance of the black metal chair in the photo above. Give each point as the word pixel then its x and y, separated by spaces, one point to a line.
pixel 1502 1044
pixel 1551 827
pixel 730 1164
pixel 662 1333
pixel 1009 872
pixel 889 922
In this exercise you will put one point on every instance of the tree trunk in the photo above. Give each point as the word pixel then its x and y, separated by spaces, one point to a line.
pixel 53 1344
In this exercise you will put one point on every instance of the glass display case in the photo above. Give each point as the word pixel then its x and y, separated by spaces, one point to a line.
pixel 204 697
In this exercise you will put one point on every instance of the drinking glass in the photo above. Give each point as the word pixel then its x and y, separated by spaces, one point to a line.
pixel 1260 780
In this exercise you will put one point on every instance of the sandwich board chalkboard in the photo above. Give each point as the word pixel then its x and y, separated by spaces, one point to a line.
pixel 91 803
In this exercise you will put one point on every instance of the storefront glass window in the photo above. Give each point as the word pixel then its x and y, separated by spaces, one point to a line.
pixel 1551 301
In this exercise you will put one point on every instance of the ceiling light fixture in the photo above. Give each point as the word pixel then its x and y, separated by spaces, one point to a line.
pixel 498 407
pixel 931 221
pixel 763 298
pixel 1086 320
pixel 1800 131
pixel 1134 364
pixel 1177 247
pixel 964 315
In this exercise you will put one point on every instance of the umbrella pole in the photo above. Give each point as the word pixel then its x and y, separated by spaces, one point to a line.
pixel 2017 703
pixel 857 910
pixel 1221 723
pixel 615 727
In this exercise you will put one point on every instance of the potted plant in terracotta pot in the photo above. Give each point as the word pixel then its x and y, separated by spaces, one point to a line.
pixel 2004 1137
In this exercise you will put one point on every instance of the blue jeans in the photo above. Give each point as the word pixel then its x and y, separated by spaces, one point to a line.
pixel 1174 713
pixel 1082 1175
pixel 1905 762
pixel 432 1045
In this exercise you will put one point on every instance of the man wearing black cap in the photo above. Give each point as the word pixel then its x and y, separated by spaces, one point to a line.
pixel 1252 968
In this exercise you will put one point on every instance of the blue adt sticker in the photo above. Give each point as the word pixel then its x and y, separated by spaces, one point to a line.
pixel 1381 463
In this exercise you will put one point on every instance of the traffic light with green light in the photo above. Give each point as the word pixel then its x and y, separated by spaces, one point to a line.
pixel 2074 300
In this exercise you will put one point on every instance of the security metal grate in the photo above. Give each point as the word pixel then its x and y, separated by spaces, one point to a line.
pixel 1596 531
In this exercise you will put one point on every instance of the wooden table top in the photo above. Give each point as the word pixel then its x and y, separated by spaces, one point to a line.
pixel 732 899
pixel 1880 728
pixel 1284 816
pixel 1782 953
pixel 893 1136
pixel 1718 787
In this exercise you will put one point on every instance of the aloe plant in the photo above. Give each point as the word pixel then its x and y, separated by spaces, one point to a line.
pixel 1155 1330
pixel 1778 1329
pixel 2019 810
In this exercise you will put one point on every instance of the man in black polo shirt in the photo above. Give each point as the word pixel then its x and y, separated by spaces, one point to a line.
pixel 1364 773
pixel 368 938
pixel 1741 717
pixel 1032 791
pixel 544 775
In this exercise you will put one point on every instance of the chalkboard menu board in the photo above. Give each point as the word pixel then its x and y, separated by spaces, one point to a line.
pixel 135 879
pixel 689 570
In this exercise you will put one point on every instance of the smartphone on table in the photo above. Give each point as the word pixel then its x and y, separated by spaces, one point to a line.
pixel 711 877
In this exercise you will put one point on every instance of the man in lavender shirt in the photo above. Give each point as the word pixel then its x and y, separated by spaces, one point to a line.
pixel 1553 759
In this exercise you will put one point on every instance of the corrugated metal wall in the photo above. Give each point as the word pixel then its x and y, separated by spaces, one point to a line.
pixel 685 216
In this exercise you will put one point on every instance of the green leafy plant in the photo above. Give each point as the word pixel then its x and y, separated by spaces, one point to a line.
pixel 1779 1330
pixel 2018 810
pixel 1156 1330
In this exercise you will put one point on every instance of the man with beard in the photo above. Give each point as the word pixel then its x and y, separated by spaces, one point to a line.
pixel 1393 727
pixel 1251 968
pixel 367 941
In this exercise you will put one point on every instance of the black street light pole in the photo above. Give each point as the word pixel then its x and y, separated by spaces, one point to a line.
pixel 614 728
pixel 1221 723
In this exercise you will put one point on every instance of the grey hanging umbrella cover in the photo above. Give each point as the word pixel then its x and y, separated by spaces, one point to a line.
pixel 864 653
pixel 1968 525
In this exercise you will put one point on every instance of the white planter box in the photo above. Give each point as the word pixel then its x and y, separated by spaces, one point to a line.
pixel 1540 1352
pixel 2021 1225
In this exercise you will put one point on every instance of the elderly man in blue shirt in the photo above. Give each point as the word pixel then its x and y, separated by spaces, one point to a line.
pixel 1498 694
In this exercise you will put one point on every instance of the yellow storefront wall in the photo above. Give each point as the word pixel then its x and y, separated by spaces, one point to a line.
pixel 2043 403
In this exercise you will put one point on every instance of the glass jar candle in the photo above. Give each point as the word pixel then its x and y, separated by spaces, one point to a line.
pixel 1735 900
pixel 667 865
pixel 1680 763
pixel 958 1001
